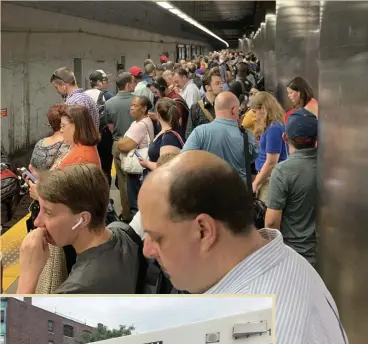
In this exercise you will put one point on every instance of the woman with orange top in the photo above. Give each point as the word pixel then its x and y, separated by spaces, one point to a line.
pixel 81 136
pixel 302 96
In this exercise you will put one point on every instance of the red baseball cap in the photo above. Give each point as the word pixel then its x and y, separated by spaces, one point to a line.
pixel 135 71
pixel 163 59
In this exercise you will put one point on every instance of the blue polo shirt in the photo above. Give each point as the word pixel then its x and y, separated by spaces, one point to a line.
pixel 272 142
pixel 223 138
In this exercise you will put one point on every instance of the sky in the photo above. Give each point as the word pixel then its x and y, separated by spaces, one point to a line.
pixel 150 313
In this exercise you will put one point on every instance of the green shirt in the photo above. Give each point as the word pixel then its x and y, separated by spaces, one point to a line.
pixel 117 112
pixel 293 189
pixel 111 268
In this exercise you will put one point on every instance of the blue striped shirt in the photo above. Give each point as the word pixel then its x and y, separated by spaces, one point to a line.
pixel 78 97
pixel 305 310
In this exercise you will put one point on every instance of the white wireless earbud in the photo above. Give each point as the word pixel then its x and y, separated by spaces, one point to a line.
pixel 78 223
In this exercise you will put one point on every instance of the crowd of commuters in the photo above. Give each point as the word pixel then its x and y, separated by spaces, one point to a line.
pixel 179 135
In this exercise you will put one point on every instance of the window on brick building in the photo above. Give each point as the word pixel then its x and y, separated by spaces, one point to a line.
pixel 68 331
pixel 51 326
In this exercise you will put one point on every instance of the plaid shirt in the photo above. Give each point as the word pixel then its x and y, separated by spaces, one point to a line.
pixel 78 97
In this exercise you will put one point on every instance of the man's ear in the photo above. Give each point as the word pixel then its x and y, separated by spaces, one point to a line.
pixel 285 138
pixel 208 231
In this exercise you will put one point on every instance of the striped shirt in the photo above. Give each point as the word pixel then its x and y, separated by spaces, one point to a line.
pixel 305 310
pixel 78 97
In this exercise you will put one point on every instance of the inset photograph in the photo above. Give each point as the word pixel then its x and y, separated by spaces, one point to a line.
pixel 138 320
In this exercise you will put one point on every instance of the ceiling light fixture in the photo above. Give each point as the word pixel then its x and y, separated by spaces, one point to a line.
pixel 168 6
pixel 164 4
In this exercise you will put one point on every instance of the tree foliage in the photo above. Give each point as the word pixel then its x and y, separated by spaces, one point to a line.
pixel 103 332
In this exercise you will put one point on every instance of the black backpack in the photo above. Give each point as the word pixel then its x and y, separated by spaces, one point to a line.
pixel 141 278
pixel 101 109
pixel 243 98
pixel 151 278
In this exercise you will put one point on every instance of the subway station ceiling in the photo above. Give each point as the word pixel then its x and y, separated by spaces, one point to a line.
pixel 229 20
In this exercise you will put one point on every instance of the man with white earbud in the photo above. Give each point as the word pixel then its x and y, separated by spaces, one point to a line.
pixel 73 207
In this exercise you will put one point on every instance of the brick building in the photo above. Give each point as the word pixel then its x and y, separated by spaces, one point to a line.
pixel 23 323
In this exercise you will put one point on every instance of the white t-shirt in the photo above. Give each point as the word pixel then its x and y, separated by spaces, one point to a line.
pixel 94 93
pixel 136 224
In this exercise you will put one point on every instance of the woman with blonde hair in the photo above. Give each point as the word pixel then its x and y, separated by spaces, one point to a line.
pixel 269 127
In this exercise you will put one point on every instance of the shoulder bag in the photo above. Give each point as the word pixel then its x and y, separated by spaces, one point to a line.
pixel 259 208
pixel 129 161
pixel 205 111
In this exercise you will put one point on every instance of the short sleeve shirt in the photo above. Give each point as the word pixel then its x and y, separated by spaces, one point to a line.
pixel 272 142
pixel 165 139
pixel 141 132
pixel 79 97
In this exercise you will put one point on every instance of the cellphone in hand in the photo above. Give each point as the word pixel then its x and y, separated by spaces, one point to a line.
pixel 138 155
pixel 23 170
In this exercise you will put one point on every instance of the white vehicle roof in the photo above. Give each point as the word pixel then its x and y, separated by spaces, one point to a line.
pixel 244 328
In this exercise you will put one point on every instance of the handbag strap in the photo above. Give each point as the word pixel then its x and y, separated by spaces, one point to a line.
pixel 148 133
pixel 205 111
pixel 247 159
pixel 177 135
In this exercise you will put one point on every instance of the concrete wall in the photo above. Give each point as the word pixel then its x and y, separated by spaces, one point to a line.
pixel 27 324
pixel 36 42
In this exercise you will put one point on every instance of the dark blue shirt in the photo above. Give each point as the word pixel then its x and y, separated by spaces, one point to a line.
pixel 272 142
pixel 166 139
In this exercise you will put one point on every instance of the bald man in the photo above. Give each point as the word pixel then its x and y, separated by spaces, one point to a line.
pixel 223 137
pixel 197 216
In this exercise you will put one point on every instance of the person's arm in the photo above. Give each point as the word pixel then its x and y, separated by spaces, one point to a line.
pixel 132 138
pixel 253 147
pixel 274 144
pixel 108 116
pixel 273 218
pixel 33 256
pixel 126 144
pixel 277 197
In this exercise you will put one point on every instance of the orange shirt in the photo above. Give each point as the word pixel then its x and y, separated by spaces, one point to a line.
pixel 81 155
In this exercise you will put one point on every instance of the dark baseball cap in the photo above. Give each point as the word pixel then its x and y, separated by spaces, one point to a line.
pixel 302 126
pixel 98 75
pixel 158 83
